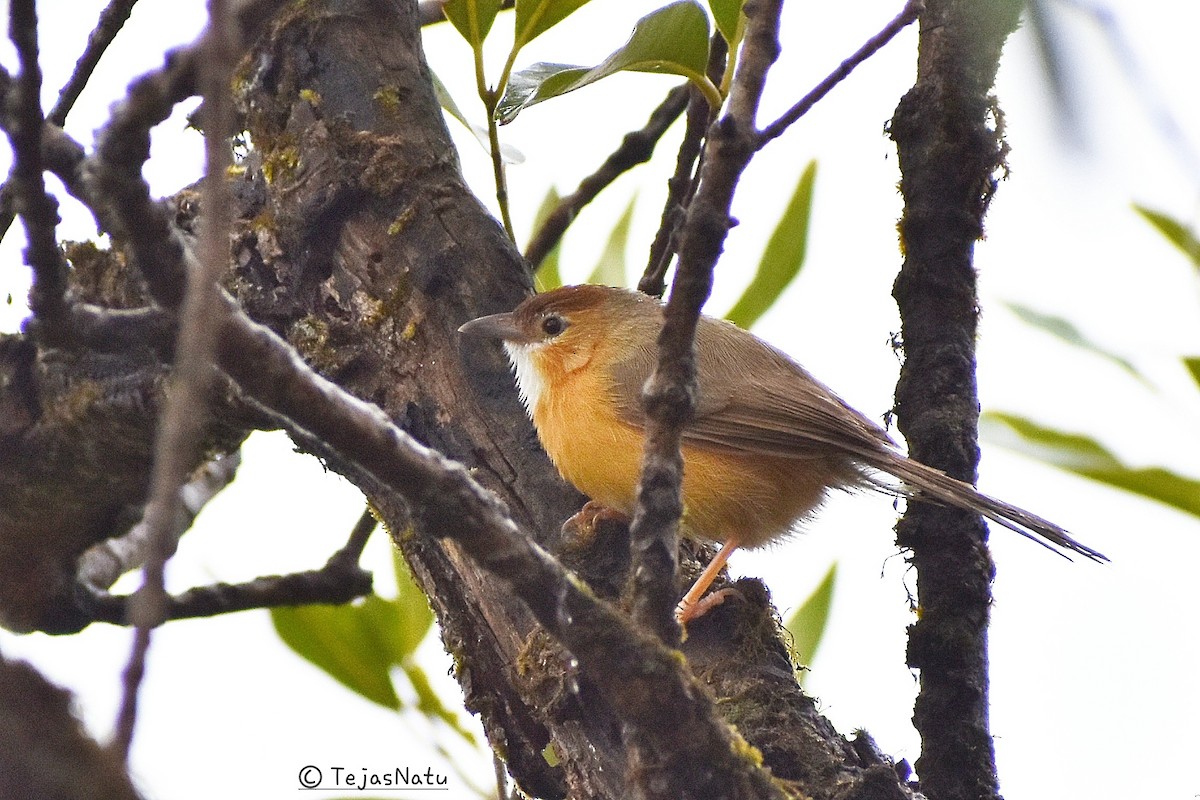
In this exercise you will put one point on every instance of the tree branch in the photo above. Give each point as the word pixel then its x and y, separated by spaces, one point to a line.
pixel 636 148
pixel 339 581
pixel 949 153
pixel 912 10
pixel 39 211
pixel 670 393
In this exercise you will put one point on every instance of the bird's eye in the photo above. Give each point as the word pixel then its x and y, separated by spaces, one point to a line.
pixel 553 325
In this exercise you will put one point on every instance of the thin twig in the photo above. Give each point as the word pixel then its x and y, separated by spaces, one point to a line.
pixel 636 148
pixel 682 183
pixel 112 19
pixel 912 10
pixel 185 413
pixel 339 581
pixel 39 211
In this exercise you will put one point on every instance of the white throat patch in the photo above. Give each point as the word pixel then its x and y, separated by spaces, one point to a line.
pixel 529 381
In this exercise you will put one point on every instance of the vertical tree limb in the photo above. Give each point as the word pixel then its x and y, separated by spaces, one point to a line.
pixel 950 150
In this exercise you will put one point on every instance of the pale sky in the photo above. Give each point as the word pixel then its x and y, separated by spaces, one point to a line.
pixel 1094 667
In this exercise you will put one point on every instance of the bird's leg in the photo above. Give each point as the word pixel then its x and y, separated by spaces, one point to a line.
pixel 691 606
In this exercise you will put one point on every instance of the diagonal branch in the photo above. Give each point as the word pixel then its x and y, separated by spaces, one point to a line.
pixel 912 10
pixel 636 148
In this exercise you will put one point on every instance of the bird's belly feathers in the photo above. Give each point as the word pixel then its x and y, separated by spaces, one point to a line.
pixel 753 497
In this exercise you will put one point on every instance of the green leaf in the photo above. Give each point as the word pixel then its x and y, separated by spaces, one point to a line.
pixel 351 643
pixel 547 275
pixel 1063 329
pixel 508 153
pixel 429 704
pixel 414 616
pixel 807 623
pixel 783 256
pixel 728 16
pixel 535 17
pixel 472 18
pixel 1175 231
pixel 610 269
pixel 1193 367
pixel 1084 456
pixel 673 39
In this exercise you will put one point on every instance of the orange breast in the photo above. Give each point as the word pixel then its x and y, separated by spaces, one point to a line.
pixel 755 498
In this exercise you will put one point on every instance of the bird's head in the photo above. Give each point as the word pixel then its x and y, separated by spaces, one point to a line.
pixel 556 334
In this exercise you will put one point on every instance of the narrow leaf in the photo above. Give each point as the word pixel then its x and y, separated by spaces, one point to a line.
pixel 610 269
pixel 535 17
pixel 414 617
pixel 1175 231
pixel 783 256
pixel 430 704
pixel 727 14
pixel 508 153
pixel 547 275
pixel 807 624
pixel 344 642
pixel 1063 329
pixel 472 18
pixel 673 39
pixel 1084 456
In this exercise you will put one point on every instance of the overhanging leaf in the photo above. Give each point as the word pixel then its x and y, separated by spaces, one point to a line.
pixel 1084 456
pixel 783 256
pixel 1063 329
pixel 807 624
pixel 673 40
pixel 346 642
pixel 535 17
pixel 1175 231
pixel 610 269
pixel 472 18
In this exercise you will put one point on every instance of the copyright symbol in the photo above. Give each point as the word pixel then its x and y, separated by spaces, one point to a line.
pixel 310 777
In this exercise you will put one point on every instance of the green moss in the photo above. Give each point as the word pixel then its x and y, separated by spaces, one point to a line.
pixel 281 161
pixel 310 336
pixel 387 98
pixel 401 221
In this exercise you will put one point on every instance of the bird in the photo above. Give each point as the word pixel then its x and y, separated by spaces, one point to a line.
pixel 766 443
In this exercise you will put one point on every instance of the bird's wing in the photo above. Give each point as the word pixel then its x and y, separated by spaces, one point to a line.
pixel 754 399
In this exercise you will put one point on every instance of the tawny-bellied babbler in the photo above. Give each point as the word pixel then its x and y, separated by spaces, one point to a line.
pixel 767 441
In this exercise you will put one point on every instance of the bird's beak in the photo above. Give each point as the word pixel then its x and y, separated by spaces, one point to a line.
pixel 494 326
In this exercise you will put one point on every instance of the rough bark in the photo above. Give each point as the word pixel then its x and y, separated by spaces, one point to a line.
pixel 947 134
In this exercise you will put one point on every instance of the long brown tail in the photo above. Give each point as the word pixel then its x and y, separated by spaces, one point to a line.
pixel 926 483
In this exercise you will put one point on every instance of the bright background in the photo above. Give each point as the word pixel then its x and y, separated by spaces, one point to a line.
pixel 1094 668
